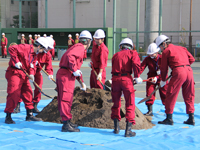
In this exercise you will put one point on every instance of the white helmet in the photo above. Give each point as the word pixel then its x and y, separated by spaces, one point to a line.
pixel 152 48
pixel 51 42
pixel 38 35
pixel 43 41
pixel 22 34
pixel 99 34
pixel 35 35
pixel 51 36
pixel 3 33
pixel 30 35
pixel 77 34
pixel 69 35
pixel 44 35
pixel 126 41
pixel 85 34
pixel 160 39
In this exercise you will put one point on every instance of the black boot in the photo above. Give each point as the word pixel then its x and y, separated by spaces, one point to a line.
pixel 8 119
pixel 150 112
pixel 73 125
pixel 2 56
pixel 190 120
pixel 35 110
pixel 116 126
pixel 6 56
pixel 128 132
pixel 30 117
pixel 167 121
pixel 68 128
pixel 17 109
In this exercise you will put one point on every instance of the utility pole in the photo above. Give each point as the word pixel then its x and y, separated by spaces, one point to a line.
pixel 190 36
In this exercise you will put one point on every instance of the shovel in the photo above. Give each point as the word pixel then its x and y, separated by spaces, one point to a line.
pixel 86 93
pixel 147 98
pixel 104 86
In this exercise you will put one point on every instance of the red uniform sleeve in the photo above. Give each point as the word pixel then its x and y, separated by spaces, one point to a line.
pixel 48 64
pixel 33 70
pixel 136 64
pixel 164 64
pixel 54 45
pixel 143 65
pixel 103 58
pixel 72 42
pixel 72 63
pixel 190 57
pixel 13 54
pixel 6 41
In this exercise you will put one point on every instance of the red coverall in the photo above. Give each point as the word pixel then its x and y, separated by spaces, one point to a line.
pixel 30 41
pixel 23 41
pixel 71 61
pixel 179 60
pixel 4 42
pixel 52 51
pixel 18 83
pixel 70 43
pixel 99 58
pixel 153 66
pixel 43 59
pixel 124 63
pixel 85 54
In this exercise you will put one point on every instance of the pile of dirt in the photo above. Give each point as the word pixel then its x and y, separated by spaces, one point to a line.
pixel 93 110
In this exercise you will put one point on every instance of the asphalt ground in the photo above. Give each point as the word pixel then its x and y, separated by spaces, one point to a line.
pixel 49 86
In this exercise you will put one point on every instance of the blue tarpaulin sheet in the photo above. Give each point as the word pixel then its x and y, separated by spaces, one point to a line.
pixel 45 135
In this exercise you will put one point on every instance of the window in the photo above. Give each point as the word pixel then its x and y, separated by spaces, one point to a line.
pixel 28 3
pixel 36 3
pixel 12 1
pixel 23 2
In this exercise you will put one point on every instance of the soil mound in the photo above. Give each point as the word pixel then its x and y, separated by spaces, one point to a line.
pixel 93 110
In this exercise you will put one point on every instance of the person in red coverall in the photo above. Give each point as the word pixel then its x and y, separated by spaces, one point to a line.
pixel 70 41
pixel 4 42
pixel 43 58
pixel 179 60
pixel 35 38
pixel 22 56
pixel 70 65
pixel 77 38
pixel 153 62
pixel 30 41
pixel 23 40
pixel 124 63
pixel 99 60
pixel 52 51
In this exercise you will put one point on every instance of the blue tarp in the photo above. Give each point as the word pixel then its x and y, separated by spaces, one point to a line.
pixel 45 135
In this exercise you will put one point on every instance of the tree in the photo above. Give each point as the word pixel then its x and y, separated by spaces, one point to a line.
pixel 16 21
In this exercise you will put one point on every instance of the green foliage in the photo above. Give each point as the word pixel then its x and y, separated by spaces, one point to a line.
pixel 16 21
pixel 198 55
pixel 141 49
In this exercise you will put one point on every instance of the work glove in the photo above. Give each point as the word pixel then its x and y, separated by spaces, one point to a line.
pixel 77 73
pixel 99 76
pixel 18 65
pixel 138 80
pixel 83 87
pixel 50 77
pixel 162 83
pixel 153 80
pixel 36 63
pixel 89 64
pixel 32 78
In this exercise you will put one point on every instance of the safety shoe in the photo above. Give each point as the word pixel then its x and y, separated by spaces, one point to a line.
pixel 8 119
pixel 190 120
pixel 68 128
pixel 116 126
pixel 167 121
pixel 30 117
pixel 128 132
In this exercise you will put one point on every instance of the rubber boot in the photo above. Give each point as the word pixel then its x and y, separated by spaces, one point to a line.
pixel 167 121
pixel 68 128
pixel 8 119
pixel 150 112
pixel 17 109
pixel 30 117
pixel 6 56
pixel 116 126
pixel 73 125
pixel 35 110
pixel 128 132
pixel 190 120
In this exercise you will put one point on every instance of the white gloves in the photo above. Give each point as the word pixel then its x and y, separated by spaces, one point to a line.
pixel 83 87
pixel 50 77
pixel 99 76
pixel 162 83
pixel 138 80
pixel 77 73
pixel 32 77
pixel 18 65
pixel 154 80
pixel 89 64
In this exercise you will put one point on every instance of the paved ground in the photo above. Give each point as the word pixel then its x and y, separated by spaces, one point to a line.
pixel 48 86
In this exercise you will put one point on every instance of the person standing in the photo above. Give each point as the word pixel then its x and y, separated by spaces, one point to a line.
pixel 179 59
pixel 70 41
pixel 77 38
pixel 99 58
pixel 124 63
pixel 35 37
pixel 30 41
pixel 52 51
pixel 4 42
pixel 22 56
pixel 153 62
pixel 23 40
pixel 70 65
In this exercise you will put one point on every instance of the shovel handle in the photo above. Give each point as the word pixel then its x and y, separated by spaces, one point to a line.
pixel 47 74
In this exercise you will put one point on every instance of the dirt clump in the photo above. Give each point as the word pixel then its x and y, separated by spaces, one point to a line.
pixel 93 110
